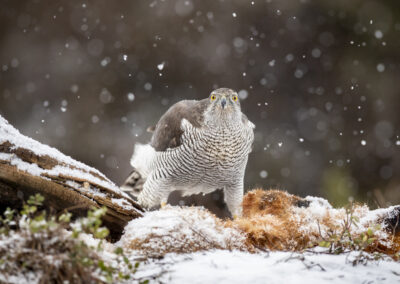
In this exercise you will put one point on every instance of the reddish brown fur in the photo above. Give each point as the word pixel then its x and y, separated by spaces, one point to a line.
pixel 267 220
pixel 270 221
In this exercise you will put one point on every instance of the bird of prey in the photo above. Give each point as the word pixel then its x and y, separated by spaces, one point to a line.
pixel 196 147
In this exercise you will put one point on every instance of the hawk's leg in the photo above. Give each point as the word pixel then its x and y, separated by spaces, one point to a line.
pixel 233 195
pixel 155 192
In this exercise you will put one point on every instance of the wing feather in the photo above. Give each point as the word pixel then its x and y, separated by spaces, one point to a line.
pixel 168 132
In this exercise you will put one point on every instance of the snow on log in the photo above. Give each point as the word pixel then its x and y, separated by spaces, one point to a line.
pixel 28 167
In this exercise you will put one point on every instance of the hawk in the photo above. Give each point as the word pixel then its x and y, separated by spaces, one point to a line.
pixel 196 147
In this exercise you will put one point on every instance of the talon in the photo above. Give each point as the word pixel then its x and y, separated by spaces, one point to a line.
pixel 163 204
pixel 235 216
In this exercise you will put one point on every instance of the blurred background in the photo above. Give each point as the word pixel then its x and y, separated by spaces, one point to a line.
pixel 320 79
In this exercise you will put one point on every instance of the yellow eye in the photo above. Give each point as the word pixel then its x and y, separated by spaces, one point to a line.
pixel 235 98
pixel 213 97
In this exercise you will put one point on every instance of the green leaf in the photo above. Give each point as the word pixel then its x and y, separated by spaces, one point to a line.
pixel 101 265
pixel 119 250
pixel 9 214
pixel 126 260
pixel 101 233
pixel 26 209
pixel 75 233
pixel 36 199
pixel 324 244
pixel 65 217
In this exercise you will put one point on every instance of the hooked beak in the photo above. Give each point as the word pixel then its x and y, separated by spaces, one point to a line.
pixel 223 102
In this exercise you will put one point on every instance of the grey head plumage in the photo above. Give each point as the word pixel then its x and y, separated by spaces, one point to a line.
pixel 215 122
pixel 223 106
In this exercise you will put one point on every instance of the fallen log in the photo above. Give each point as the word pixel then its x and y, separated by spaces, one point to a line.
pixel 28 167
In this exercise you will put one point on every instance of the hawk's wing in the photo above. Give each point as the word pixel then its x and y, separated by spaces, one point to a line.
pixel 247 122
pixel 167 133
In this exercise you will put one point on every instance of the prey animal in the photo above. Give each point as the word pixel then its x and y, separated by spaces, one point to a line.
pixel 196 147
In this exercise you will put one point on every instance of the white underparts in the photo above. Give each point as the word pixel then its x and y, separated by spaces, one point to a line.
pixel 142 159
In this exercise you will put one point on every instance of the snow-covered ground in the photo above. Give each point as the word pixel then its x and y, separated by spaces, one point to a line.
pixel 186 229
pixel 221 266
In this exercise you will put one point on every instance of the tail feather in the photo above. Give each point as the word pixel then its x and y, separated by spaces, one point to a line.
pixel 141 162
pixel 133 185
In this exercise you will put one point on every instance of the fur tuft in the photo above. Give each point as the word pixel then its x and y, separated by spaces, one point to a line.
pixel 142 159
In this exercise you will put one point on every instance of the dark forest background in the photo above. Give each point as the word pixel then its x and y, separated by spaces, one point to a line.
pixel 320 79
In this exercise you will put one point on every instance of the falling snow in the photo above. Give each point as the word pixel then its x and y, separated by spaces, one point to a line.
pixel 161 66
pixel 130 96
pixel 320 86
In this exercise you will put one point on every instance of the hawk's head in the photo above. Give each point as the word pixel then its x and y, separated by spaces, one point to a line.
pixel 224 104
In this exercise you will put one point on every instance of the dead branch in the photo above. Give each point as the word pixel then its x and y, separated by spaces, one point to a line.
pixel 23 172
